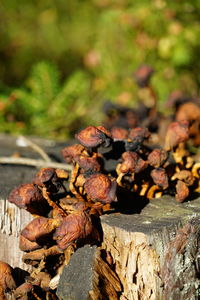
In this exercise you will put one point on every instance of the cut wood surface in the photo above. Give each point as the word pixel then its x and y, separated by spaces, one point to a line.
pixel 154 254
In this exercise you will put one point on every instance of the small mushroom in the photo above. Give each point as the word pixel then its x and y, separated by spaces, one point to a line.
pixel 182 191
pixel 157 158
pixel 48 178
pixel 131 163
pixel 185 176
pixel 136 137
pixel 88 163
pixel 39 229
pixel 92 137
pixel 160 177
pixel 119 133
pixel 177 133
pixel 26 245
pixel 188 112
pixel 75 227
pixel 24 291
pixel 101 188
pixel 72 151
pixel 7 282
pixel 29 197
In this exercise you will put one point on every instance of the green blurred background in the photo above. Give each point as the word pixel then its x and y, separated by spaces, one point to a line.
pixel 60 59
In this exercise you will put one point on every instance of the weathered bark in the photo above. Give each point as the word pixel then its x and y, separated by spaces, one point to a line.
pixel 154 255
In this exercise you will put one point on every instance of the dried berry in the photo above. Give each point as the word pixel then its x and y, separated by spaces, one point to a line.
pixel 100 187
pixel 29 197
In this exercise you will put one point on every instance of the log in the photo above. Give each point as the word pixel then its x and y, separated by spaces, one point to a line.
pixel 152 255
pixel 148 253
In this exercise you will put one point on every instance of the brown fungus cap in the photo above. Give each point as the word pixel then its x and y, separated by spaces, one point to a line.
pixel 100 187
pixel 143 75
pixel 23 291
pixel 6 279
pixel 132 162
pixel 72 151
pixel 188 112
pixel 44 176
pixel 39 228
pixel 177 133
pixel 75 227
pixel 88 163
pixel 26 245
pixel 157 158
pixel 29 197
pixel 136 137
pixel 182 191
pixel 160 177
pixel 119 133
pixel 93 137
pixel 185 176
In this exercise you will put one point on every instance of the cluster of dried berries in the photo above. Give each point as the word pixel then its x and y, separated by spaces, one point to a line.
pixel 108 167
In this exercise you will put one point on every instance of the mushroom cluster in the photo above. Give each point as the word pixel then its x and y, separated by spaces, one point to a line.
pixel 107 166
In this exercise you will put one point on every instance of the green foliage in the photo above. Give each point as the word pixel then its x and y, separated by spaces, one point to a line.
pixel 94 48
pixel 45 107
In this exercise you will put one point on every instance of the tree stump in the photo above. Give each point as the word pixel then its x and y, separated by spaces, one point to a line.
pixel 154 254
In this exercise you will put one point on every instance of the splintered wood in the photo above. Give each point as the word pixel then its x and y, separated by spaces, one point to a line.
pixel 12 221
pixel 151 256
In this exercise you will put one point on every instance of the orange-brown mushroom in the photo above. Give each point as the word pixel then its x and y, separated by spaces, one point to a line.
pixel 40 228
pixel 26 245
pixel 93 137
pixel 75 227
pixel 182 191
pixel 136 138
pixel 119 133
pixel 7 282
pixel 157 158
pixel 29 197
pixel 177 133
pixel 101 188
pixel 70 152
pixel 160 177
